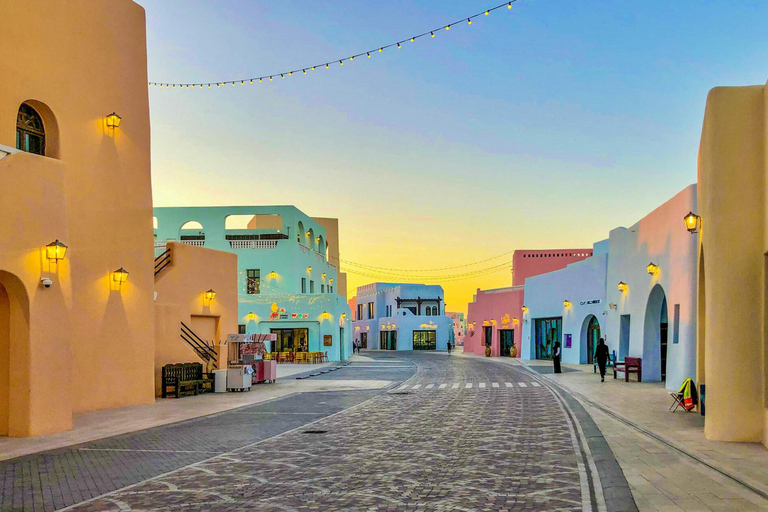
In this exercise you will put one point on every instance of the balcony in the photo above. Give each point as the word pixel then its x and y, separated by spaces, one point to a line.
pixel 319 256
pixel 303 248
pixel 252 244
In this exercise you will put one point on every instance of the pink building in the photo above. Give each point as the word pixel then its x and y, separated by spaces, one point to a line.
pixel 459 327
pixel 494 316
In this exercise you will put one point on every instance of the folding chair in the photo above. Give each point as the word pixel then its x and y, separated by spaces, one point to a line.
pixel 686 397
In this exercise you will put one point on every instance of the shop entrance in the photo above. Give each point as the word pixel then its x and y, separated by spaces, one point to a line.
pixel 388 340
pixel 364 339
pixel 548 331
pixel 291 340
pixel 655 336
pixel 424 340
pixel 506 341
pixel 592 335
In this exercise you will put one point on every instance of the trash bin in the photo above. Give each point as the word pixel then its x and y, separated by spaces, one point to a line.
pixel 220 381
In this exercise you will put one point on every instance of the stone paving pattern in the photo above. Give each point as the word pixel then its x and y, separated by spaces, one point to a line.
pixel 464 449
pixel 59 478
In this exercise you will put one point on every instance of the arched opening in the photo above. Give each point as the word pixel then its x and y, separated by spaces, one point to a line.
pixel 37 131
pixel 320 244
pixel 310 237
pixel 30 130
pixel 590 334
pixel 655 336
pixel 701 323
pixel 14 356
pixel 300 232
pixel 192 233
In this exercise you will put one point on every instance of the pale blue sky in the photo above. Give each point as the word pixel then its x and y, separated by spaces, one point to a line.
pixel 541 126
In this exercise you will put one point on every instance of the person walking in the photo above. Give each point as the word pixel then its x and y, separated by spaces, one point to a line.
pixel 449 348
pixel 556 353
pixel 355 348
pixel 601 354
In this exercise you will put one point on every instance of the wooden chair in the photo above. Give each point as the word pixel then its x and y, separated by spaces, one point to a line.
pixel 629 365
pixel 301 357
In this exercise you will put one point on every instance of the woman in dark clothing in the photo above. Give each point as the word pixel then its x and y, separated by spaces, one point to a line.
pixel 556 357
pixel 601 354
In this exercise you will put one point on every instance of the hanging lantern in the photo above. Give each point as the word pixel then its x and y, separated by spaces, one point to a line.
pixel 622 286
pixel 55 250
pixel 210 295
pixel 692 222
pixel 652 268
pixel 120 275
pixel 113 120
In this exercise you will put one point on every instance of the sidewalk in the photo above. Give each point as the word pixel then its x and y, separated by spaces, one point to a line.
pixel 661 477
pixel 106 423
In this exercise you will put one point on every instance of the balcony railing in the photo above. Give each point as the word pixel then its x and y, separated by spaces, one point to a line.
pixel 196 243
pixel 319 256
pixel 252 244
pixel 303 248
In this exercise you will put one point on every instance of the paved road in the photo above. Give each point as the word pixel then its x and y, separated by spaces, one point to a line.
pixel 461 434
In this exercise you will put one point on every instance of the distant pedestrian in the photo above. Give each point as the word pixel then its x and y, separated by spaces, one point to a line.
pixel 556 357
pixel 449 347
pixel 601 354
pixel 356 347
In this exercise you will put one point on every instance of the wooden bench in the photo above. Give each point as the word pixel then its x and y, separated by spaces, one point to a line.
pixel 629 365
pixel 183 379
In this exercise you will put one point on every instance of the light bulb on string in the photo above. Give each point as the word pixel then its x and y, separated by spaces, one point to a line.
pixel 447 27
pixel 487 13
pixel 270 79
pixel 233 84
pixel 369 55
pixel 290 73
pixel 398 45
pixel 469 21
pixel 352 58
pixel 305 71
pixel 327 66
pixel 509 5
pixel 432 34
pixel 381 50
pixel 313 68
pixel 413 39
pixel 341 63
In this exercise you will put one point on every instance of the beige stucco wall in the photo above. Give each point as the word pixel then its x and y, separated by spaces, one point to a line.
pixel 92 191
pixel 180 288
pixel 732 167
pixel 332 237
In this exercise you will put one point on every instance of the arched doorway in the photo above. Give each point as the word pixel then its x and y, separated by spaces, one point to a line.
pixel 590 333
pixel 14 356
pixel 655 336
pixel 5 360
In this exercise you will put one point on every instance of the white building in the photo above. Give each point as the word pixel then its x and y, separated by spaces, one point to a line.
pixel 567 305
pixel 638 292
pixel 402 317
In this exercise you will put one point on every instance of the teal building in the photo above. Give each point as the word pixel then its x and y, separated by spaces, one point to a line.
pixel 287 285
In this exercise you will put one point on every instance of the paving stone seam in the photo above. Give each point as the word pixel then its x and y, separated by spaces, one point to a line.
pixel 194 465
pixel 751 487
pixel 550 383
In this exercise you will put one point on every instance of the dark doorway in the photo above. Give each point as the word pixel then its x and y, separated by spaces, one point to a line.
pixel 388 340
pixel 663 325
pixel 593 335
pixel 624 337
pixel 548 331
pixel 364 340
pixel 506 341
pixel 488 334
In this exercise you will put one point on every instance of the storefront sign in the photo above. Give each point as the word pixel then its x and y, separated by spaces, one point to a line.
pixel 327 340
pixel 588 302
pixel 568 338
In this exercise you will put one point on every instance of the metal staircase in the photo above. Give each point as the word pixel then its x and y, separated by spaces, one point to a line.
pixel 201 347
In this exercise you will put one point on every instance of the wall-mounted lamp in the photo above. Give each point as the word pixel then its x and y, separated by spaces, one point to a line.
pixel 343 315
pixel 113 120
pixel 317 239
pixel 382 326
pixel 251 316
pixel 210 295
pixel 120 275
pixel 308 233
pixel 325 314
pixel 652 268
pixel 692 222
pixel 493 322
pixel 367 327
pixel 272 274
pixel 567 303
pixel 55 251
pixel 622 286
pixel 515 321
pixel 324 274
pixel 309 269
pixel 525 310
pixel 331 281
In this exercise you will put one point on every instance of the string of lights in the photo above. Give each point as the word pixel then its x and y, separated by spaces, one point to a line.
pixel 348 263
pixel 326 65
pixel 440 278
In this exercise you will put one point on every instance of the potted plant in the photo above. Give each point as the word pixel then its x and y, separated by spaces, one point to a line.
pixel 487 351
pixel 512 351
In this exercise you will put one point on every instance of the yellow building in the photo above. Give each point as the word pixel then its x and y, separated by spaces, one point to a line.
pixel 732 342
pixel 73 337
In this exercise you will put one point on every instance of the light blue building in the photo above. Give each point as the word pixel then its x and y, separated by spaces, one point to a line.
pixel 393 316
pixel 287 285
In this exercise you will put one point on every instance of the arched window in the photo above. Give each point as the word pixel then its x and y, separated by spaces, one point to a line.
pixel 429 311
pixel 30 133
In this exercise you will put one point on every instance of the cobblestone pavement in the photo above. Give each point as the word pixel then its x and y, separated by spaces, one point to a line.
pixel 460 448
